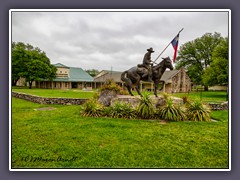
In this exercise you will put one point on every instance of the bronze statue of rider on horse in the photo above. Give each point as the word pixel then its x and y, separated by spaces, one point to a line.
pixel 147 63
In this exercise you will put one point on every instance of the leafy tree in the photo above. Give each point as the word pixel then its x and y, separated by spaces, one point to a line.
pixel 217 73
pixel 18 56
pixel 30 63
pixel 196 55
pixel 92 72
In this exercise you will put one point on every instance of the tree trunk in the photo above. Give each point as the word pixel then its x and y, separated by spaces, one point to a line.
pixel 30 84
pixel 205 88
pixel 14 82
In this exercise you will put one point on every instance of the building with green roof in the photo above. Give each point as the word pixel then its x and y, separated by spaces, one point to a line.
pixel 67 78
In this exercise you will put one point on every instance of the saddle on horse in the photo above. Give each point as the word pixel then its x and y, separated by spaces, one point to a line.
pixel 145 71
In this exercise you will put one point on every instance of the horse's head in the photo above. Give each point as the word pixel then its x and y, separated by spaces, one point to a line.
pixel 167 63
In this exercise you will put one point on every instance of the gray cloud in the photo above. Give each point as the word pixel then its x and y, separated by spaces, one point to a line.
pixel 104 40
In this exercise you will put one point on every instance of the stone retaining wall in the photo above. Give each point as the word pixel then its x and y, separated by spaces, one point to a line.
pixel 223 106
pixel 49 100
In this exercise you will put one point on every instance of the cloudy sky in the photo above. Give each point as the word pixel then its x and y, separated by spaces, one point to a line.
pixel 111 40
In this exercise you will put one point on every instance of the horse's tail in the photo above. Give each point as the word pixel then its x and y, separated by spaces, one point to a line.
pixel 124 78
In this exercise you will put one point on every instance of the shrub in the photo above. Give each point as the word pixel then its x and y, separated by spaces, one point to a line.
pixel 91 108
pixel 121 110
pixel 197 111
pixel 112 86
pixel 145 108
pixel 171 112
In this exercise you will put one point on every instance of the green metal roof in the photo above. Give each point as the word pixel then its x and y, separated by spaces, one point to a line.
pixel 60 65
pixel 78 74
pixel 75 75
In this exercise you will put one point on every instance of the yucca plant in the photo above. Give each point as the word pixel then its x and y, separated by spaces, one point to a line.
pixel 91 108
pixel 186 100
pixel 166 96
pixel 171 112
pixel 122 110
pixel 145 108
pixel 197 111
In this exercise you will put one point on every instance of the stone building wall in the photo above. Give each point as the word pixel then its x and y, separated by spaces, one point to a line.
pixel 180 82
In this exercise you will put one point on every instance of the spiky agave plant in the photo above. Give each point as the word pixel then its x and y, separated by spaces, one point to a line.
pixel 171 112
pixel 91 108
pixel 145 108
pixel 186 100
pixel 166 96
pixel 197 111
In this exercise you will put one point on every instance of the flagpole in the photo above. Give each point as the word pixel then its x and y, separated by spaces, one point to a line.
pixel 166 46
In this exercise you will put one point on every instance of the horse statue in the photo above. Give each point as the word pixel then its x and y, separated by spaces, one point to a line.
pixel 134 75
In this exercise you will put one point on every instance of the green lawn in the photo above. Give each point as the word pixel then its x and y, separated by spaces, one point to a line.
pixel 206 96
pixel 60 138
pixel 69 93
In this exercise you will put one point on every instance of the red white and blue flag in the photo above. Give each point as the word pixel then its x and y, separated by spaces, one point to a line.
pixel 175 46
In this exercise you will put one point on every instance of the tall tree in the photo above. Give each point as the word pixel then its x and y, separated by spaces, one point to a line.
pixel 30 63
pixel 92 72
pixel 196 55
pixel 217 72
pixel 18 56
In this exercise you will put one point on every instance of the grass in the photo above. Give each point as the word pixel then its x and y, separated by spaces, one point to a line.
pixel 67 93
pixel 219 115
pixel 60 138
pixel 206 96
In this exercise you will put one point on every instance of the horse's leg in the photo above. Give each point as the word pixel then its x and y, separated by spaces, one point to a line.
pixel 155 88
pixel 137 86
pixel 162 82
pixel 128 84
pixel 130 90
pixel 138 91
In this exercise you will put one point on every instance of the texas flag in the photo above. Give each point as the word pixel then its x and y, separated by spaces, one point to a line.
pixel 175 46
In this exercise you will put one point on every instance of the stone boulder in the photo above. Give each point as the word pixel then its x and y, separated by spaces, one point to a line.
pixel 133 100
pixel 106 96
pixel 160 101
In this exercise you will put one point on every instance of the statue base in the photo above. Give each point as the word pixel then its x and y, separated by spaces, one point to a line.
pixel 135 100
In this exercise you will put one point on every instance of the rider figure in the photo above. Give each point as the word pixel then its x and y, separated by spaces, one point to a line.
pixel 147 64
